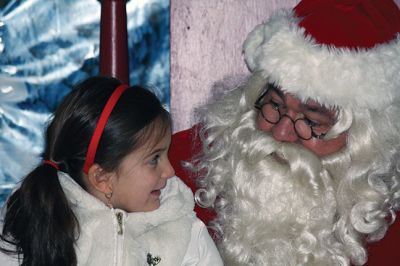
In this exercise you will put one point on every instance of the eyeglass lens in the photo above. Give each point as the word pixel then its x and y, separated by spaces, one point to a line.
pixel 272 115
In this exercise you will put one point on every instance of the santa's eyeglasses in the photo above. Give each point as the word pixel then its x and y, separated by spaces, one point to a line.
pixel 305 128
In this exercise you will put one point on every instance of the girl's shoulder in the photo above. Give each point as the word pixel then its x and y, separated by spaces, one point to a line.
pixel 202 250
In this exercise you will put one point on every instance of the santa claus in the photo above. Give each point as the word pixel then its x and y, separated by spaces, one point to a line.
pixel 301 161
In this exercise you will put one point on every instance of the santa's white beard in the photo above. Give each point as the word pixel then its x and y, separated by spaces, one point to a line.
pixel 307 211
pixel 277 213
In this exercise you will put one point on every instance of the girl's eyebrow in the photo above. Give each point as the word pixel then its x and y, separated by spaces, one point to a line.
pixel 155 152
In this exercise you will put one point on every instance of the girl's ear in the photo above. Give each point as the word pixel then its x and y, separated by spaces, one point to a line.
pixel 99 179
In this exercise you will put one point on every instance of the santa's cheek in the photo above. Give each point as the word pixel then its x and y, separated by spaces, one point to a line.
pixel 324 148
pixel 263 125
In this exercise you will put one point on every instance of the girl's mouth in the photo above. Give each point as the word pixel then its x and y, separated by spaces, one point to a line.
pixel 156 192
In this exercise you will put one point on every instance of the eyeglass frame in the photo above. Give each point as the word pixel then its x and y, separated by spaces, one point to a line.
pixel 259 107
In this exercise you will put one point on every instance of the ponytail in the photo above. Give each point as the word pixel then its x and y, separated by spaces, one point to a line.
pixel 39 222
pixel 39 225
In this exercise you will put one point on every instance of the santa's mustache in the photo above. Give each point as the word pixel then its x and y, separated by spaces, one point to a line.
pixel 285 158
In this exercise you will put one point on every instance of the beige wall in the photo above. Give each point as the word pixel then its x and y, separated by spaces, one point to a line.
pixel 206 41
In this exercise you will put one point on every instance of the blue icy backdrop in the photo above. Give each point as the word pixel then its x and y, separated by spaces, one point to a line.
pixel 45 48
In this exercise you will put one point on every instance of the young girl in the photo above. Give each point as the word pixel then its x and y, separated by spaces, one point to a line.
pixel 105 193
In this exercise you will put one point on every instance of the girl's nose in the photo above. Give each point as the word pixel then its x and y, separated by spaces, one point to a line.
pixel 169 171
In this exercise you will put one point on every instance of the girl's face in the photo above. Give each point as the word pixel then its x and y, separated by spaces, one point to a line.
pixel 141 177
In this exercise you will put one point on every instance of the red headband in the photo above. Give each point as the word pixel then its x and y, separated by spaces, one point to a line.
pixel 51 163
pixel 94 142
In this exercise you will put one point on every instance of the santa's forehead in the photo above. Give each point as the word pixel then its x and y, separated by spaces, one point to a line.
pixel 305 100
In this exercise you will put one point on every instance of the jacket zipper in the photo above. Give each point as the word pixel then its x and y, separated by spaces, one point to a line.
pixel 120 221
pixel 120 237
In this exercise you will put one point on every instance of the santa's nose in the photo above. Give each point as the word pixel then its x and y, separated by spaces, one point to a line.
pixel 284 130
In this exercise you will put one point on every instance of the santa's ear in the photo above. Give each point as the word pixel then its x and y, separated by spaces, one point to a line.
pixel 99 179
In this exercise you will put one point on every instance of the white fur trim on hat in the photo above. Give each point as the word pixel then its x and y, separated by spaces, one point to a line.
pixel 332 76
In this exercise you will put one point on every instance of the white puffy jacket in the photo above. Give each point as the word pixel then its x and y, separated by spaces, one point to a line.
pixel 169 236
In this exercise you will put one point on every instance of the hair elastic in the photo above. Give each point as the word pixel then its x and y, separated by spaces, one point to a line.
pixel 51 163
pixel 101 123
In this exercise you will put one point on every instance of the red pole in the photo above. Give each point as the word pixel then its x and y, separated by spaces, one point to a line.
pixel 113 40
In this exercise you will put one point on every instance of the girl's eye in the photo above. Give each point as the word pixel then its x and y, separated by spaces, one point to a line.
pixel 154 160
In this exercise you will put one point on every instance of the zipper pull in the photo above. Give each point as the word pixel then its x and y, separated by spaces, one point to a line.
pixel 119 220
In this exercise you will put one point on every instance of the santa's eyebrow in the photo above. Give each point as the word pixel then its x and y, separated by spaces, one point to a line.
pixel 276 90
pixel 280 93
pixel 316 107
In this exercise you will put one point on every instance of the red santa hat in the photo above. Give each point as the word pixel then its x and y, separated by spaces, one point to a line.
pixel 338 52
